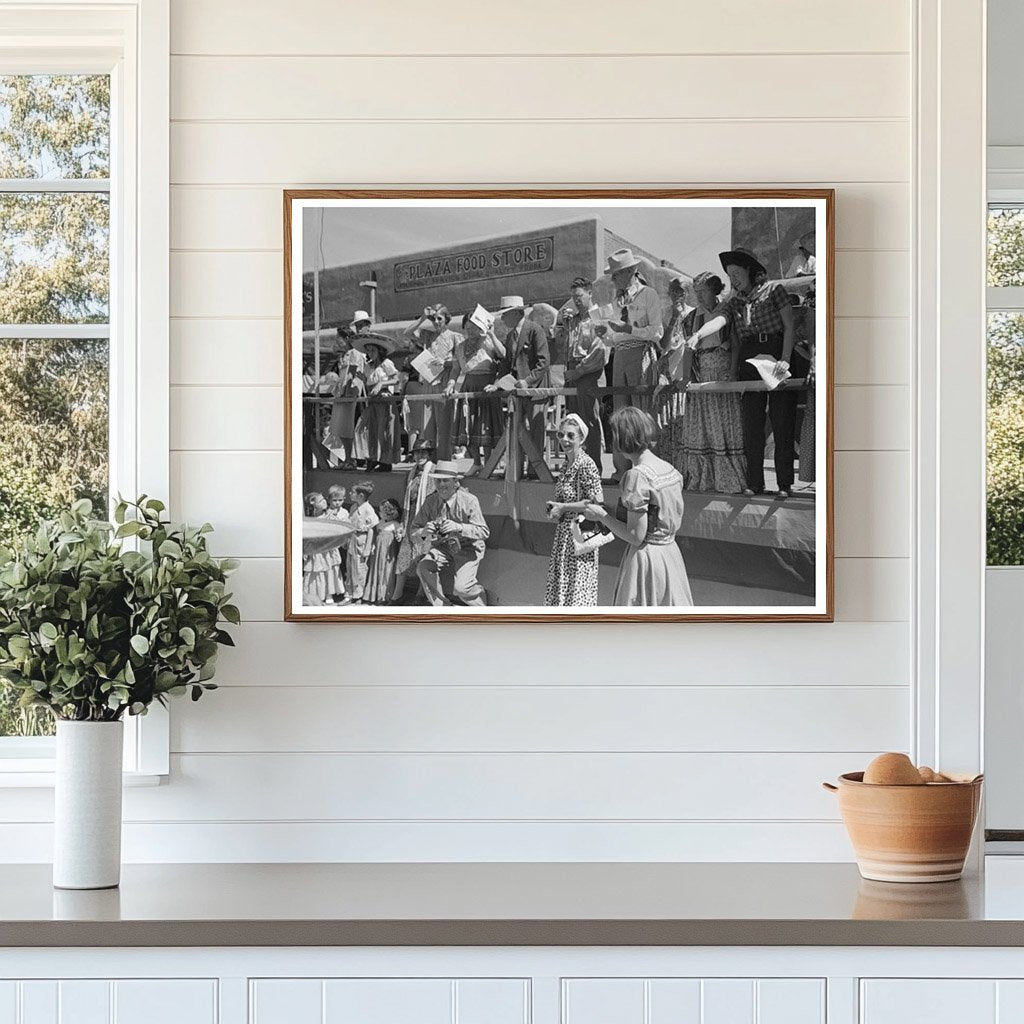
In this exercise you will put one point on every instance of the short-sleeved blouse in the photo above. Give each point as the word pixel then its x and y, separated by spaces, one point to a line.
pixel 386 371
pixel 659 493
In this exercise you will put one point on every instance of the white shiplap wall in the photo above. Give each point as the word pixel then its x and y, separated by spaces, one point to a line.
pixel 683 741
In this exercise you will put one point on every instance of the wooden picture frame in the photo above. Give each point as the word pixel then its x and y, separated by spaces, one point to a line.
pixel 456 269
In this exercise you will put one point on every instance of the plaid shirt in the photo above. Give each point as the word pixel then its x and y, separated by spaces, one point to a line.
pixel 760 311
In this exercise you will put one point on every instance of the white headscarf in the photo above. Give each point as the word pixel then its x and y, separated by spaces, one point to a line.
pixel 578 423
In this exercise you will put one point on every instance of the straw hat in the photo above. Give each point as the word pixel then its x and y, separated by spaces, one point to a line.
pixel 446 469
pixel 361 316
pixel 741 257
pixel 510 302
pixel 389 345
pixel 621 259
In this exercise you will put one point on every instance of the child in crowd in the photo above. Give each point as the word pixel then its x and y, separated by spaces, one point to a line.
pixel 349 396
pixel 321 576
pixel 380 580
pixel 336 496
pixel 363 519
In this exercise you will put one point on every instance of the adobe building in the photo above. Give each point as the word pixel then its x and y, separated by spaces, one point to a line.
pixel 539 265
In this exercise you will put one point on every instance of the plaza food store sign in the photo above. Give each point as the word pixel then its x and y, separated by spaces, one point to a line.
pixel 526 256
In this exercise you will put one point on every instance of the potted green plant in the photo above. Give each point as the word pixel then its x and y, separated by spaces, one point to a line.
pixel 99 620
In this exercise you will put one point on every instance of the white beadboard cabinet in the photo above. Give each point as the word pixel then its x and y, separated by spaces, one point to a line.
pixel 108 1001
pixel 513 985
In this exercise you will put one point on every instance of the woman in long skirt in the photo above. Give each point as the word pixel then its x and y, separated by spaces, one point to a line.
pixel 572 577
pixel 712 447
pixel 652 571
pixel 382 428
pixel 479 420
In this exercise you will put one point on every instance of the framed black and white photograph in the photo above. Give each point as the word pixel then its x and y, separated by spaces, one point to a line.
pixel 558 405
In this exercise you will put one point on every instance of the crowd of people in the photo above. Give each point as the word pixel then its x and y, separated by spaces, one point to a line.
pixel 664 434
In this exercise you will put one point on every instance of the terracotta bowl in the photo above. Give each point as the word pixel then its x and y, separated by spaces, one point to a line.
pixel 909 833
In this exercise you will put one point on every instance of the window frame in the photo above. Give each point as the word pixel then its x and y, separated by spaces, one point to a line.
pixel 130 41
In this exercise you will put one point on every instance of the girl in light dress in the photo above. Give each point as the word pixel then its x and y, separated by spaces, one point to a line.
pixel 344 414
pixel 363 519
pixel 336 496
pixel 382 575
pixel 650 512
pixel 321 575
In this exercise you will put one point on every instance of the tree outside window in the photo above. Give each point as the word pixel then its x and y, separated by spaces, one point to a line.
pixel 54 307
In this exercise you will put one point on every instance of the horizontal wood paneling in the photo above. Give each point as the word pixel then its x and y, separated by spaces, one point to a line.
pixel 463 718
pixel 322 95
pixel 242 493
pixel 872 589
pixel 321 787
pixel 868 216
pixel 465 841
pixel 223 352
pixel 460 26
pixel 866 418
pixel 687 653
pixel 873 504
pixel 867 589
pixel 571 152
pixel 236 418
pixel 539 88
pixel 237 284
pixel 872 350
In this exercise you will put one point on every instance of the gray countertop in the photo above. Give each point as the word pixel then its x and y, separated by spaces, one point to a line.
pixel 506 904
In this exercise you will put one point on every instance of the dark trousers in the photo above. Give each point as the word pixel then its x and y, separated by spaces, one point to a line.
pixel 587 405
pixel 781 413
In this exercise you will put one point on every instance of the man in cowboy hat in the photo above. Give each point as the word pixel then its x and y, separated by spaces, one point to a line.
pixel 452 523
pixel 527 358
pixel 635 336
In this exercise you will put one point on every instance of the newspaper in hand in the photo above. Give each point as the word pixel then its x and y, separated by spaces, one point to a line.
pixel 428 366
pixel 506 383
pixel 765 366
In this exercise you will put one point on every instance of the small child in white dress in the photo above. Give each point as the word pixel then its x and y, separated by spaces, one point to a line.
pixel 363 519
pixel 336 498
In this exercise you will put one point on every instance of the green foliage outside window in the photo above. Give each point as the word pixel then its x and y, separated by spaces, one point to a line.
pixel 54 269
pixel 1005 484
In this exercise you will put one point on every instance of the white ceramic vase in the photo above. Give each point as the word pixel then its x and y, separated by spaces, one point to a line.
pixel 87 805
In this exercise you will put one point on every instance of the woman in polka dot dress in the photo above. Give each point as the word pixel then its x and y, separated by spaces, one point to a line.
pixel 572 578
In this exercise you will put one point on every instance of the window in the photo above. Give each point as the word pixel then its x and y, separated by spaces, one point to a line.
pixel 84 124
pixel 54 308
pixel 1005 477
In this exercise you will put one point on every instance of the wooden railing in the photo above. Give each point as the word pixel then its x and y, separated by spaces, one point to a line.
pixel 516 444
